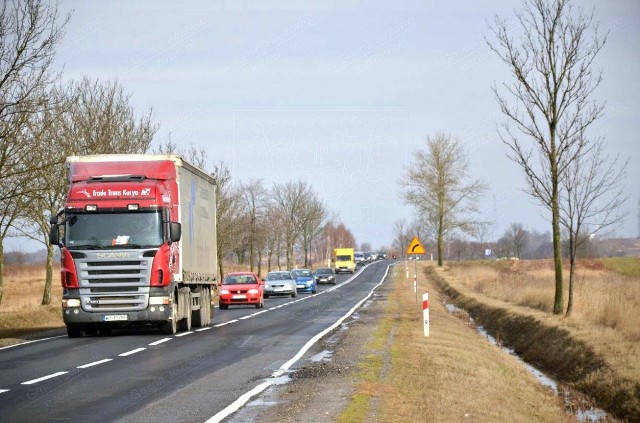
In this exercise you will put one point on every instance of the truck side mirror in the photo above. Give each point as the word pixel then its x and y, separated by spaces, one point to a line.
pixel 175 231
pixel 54 235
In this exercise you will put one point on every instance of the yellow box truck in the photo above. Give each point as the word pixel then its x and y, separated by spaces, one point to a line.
pixel 344 260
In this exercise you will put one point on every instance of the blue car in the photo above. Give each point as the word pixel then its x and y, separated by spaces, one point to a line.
pixel 305 282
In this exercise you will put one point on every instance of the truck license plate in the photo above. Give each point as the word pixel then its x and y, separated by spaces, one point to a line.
pixel 114 317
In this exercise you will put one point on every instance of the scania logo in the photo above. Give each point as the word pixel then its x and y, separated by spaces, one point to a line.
pixel 112 255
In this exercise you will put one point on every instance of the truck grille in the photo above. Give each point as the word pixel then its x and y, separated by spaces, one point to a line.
pixel 114 284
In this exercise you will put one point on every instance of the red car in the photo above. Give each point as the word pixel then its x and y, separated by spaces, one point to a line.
pixel 244 288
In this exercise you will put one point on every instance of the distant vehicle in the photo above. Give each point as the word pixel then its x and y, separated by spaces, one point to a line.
pixel 243 288
pixel 367 256
pixel 280 282
pixel 305 282
pixel 374 256
pixel 344 260
pixel 414 257
pixel 382 255
pixel 325 275
pixel 358 256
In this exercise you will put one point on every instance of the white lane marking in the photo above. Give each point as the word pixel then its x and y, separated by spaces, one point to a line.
pixel 243 399
pixel 2 391
pixel 95 363
pixel 137 350
pixel 235 406
pixel 183 334
pixel 203 329
pixel 40 379
pixel 248 316
pixel 31 342
pixel 161 341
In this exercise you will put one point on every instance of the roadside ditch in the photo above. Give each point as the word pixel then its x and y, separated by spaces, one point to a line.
pixel 582 376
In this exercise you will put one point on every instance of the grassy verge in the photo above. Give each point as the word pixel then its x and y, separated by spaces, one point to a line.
pixel 452 375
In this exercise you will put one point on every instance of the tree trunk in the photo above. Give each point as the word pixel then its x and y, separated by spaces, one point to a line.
pixel 46 296
pixel 290 262
pixel 440 243
pixel 572 266
pixel 220 269
pixel 251 238
pixel 558 302
pixel 1 267
pixel 259 262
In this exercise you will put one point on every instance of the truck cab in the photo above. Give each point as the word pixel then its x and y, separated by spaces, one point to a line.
pixel 344 260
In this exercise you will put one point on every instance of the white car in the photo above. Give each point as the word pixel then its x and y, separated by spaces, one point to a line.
pixel 280 282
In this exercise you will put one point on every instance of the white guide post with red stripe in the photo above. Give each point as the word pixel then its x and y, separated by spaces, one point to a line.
pixel 425 313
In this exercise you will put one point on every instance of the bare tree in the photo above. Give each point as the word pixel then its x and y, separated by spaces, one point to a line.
pixel 289 200
pixel 593 202
pixel 104 122
pixel 254 198
pixel 337 235
pixel 312 220
pixel 436 185
pixel 29 33
pixel 517 238
pixel 549 100
pixel 401 236
pixel 273 234
pixel 229 213
pixel 194 155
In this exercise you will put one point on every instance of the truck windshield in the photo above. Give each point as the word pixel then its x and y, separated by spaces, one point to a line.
pixel 343 258
pixel 111 230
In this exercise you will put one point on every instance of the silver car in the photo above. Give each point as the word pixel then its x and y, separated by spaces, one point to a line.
pixel 280 282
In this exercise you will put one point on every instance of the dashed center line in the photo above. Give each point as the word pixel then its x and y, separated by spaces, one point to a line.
pixel 2 391
pixel 95 363
pixel 183 334
pixel 161 341
pixel 40 379
pixel 137 350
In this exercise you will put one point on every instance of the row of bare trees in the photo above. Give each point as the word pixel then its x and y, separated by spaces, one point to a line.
pixel 284 225
pixel 550 107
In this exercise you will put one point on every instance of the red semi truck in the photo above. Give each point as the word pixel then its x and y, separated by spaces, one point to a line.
pixel 137 237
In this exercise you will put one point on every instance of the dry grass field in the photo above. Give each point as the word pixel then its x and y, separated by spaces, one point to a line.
pixel 21 311
pixel 606 303
pixel 605 319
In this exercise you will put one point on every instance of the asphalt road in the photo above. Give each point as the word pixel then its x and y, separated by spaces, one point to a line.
pixel 144 376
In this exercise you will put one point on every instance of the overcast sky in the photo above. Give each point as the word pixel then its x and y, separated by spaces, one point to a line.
pixel 340 93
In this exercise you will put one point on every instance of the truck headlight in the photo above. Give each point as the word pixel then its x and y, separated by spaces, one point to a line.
pixel 71 302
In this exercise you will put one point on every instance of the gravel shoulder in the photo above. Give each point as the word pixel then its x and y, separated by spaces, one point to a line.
pixel 323 384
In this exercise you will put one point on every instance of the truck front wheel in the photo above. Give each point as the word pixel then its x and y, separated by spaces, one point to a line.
pixel 74 330
pixel 171 327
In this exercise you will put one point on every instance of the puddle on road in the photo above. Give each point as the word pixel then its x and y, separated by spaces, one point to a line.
pixel 591 415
